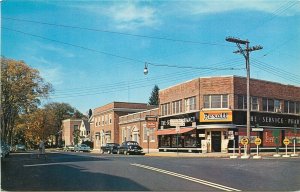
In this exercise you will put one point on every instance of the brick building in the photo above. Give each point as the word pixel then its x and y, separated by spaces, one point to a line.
pixel 68 127
pixel 133 127
pixel 105 121
pixel 214 112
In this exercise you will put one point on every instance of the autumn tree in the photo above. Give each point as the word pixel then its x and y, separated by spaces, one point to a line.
pixel 62 111
pixel 22 89
pixel 154 99
pixel 39 125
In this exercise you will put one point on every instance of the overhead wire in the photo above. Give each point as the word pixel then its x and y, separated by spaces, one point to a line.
pixel 116 32
pixel 139 84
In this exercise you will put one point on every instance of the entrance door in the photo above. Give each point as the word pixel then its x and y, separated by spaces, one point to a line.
pixel 216 141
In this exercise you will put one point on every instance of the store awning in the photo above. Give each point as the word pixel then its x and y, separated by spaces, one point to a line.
pixel 173 131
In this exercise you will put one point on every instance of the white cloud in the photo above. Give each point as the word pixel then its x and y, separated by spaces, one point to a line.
pixel 47 71
pixel 57 49
pixel 124 15
pixel 282 8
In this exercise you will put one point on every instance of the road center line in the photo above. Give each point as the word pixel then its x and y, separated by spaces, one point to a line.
pixel 203 182
pixel 47 164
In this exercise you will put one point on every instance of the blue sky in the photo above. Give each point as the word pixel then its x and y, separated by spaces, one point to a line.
pixel 93 52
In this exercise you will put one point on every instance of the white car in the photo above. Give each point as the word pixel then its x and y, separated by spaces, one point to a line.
pixel 82 147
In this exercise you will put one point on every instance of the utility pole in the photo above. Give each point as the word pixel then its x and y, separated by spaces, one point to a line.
pixel 246 54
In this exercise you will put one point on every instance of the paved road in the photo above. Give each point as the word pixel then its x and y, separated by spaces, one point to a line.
pixel 87 172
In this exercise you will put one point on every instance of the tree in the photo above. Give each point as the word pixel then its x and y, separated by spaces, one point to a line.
pixel 22 89
pixel 154 99
pixel 90 113
pixel 62 111
pixel 76 136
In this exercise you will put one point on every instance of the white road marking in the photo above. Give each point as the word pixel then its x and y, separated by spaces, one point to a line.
pixel 46 164
pixel 211 184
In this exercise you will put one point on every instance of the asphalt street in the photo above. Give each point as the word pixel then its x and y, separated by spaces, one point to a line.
pixel 63 171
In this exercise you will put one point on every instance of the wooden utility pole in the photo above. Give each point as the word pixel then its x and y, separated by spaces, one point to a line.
pixel 246 54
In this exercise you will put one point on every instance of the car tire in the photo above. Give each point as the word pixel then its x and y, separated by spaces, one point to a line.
pixel 126 152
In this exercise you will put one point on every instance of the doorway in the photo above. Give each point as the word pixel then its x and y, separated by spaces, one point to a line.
pixel 216 141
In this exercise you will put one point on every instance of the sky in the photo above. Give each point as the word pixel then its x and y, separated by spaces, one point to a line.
pixel 94 52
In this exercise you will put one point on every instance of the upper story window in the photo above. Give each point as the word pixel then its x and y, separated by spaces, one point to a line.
pixel 176 107
pixel 215 101
pixel 277 106
pixel 102 120
pixel 106 119
pixel 292 107
pixel 190 104
pixel 242 102
pixel 165 109
pixel 268 104
pixel 110 118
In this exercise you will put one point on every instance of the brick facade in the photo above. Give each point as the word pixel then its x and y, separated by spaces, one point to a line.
pixel 105 121
pixel 134 127
pixel 68 126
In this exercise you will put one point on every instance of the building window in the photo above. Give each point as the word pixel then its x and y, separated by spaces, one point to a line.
pixel 102 120
pixel 242 102
pixel 110 119
pixel 190 104
pixel 149 131
pixel 291 107
pixel 268 104
pixel 123 134
pixel 254 103
pixel 298 107
pixel 165 109
pixel 215 101
pixel 277 107
pixel 177 107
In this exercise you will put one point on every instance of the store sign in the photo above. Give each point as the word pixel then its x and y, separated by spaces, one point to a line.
pixel 188 119
pixel 151 124
pixel 216 116
pixel 267 119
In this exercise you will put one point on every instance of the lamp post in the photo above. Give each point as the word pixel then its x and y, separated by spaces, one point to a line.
pixel 295 138
pixel 245 53
pixel 148 134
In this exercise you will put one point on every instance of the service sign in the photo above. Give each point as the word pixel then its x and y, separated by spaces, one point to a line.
pixel 216 116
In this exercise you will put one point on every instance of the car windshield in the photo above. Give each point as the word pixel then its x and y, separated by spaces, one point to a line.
pixel 83 145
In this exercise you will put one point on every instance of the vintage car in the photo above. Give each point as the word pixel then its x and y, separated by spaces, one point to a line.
pixel 82 147
pixel 110 148
pixel 130 147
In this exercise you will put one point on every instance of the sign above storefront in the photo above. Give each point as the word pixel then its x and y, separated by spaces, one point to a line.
pixel 216 116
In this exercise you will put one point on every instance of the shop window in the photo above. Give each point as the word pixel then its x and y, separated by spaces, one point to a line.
pixel 216 101
pixel 175 142
pixel 164 141
pixel 190 140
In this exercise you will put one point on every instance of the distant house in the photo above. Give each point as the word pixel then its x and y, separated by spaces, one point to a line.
pixel 84 131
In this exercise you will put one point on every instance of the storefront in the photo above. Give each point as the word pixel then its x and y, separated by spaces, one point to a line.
pixel 271 128
pixel 216 125
pixel 185 139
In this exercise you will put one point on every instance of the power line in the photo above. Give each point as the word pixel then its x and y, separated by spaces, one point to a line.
pixel 115 32
pixel 138 82
pixel 73 45
pixel 215 65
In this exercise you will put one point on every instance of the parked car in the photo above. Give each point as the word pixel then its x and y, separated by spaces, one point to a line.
pixel 20 147
pixel 82 147
pixel 69 148
pixel 4 150
pixel 110 148
pixel 130 147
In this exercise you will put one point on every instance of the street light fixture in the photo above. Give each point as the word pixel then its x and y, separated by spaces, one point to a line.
pixel 146 68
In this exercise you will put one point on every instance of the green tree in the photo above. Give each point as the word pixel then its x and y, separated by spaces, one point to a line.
pixel 154 99
pixel 76 136
pixel 22 89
